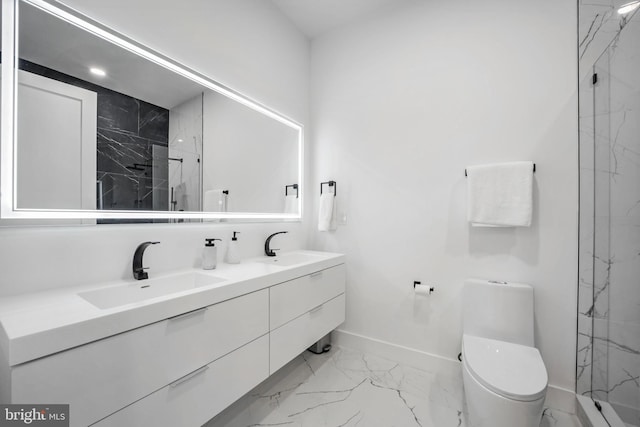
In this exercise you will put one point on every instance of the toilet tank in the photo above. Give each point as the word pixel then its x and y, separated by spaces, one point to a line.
pixel 498 310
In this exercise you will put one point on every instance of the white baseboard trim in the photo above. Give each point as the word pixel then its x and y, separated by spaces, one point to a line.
pixel 558 398
pixel 561 398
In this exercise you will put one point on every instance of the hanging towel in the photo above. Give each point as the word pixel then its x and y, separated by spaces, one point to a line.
pixel 500 195
pixel 290 204
pixel 180 196
pixel 327 215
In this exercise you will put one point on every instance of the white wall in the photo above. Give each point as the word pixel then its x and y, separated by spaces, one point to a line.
pixel 256 182
pixel 247 45
pixel 401 103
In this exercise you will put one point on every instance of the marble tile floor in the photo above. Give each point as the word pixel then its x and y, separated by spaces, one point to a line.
pixel 347 388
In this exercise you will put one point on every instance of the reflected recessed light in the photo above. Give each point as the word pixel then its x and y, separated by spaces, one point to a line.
pixel 629 7
pixel 180 140
pixel 97 71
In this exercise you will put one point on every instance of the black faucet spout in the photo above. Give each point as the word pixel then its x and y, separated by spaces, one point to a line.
pixel 267 250
pixel 138 269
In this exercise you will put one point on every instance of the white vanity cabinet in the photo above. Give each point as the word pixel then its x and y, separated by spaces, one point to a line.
pixel 104 376
pixel 195 399
pixel 304 310
pixel 184 370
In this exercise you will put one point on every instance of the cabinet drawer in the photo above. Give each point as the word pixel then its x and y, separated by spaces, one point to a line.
pixel 289 300
pixel 199 396
pixel 294 337
pixel 102 377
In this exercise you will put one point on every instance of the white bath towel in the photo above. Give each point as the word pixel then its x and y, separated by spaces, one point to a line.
pixel 290 204
pixel 327 212
pixel 180 197
pixel 500 195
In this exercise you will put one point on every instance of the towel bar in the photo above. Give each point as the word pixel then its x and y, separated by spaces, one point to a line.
pixel 286 189
pixel 534 169
pixel 331 184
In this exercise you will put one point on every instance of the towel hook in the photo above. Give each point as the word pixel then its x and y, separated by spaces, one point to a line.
pixel 330 184
pixel 286 189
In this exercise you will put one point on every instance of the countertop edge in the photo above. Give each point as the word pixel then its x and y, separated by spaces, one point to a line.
pixel 23 348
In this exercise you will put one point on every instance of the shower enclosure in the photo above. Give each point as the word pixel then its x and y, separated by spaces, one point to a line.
pixel 608 354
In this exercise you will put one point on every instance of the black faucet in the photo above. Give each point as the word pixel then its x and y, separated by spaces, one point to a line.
pixel 267 250
pixel 138 269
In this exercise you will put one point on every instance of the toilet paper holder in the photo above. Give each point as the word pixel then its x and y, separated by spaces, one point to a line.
pixel 418 283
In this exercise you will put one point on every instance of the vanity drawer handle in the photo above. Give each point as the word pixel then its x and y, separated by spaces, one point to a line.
pixel 189 313
pixel 316 274
pixel 189 376
pixel 316 309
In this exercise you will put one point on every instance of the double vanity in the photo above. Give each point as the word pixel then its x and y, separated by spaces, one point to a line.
pixel 171 350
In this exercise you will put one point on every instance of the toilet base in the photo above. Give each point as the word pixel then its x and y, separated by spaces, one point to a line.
pixel 488 409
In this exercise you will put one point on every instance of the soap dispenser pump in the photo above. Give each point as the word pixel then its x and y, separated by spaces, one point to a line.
pixel 210 254
pixel 233 251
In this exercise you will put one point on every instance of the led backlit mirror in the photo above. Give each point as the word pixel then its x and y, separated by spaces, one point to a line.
pixel 107 129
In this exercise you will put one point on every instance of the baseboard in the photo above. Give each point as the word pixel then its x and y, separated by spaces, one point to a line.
pixel 558 398
pixel 406 355
pixel 561 398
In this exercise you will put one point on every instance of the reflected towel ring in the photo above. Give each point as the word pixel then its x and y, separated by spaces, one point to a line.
pixel 294 186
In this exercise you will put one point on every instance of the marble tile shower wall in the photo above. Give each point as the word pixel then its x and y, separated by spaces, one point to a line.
pixel 128 128
pixel 185 143
pixel 609 292
pixel 599 23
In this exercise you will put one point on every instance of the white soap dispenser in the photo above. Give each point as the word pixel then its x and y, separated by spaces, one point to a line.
pixel 210 254
pixel 233 251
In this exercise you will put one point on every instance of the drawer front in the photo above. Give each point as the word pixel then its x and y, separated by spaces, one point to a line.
pixel 294 337
pixel 291 299
pixel 102 377
pixel 193 400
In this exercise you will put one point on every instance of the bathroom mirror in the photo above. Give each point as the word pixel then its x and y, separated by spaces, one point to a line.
pixel 97 126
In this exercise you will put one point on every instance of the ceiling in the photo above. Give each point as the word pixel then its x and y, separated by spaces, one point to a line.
pixel 58 45
pixel 50 42
pixel 315 17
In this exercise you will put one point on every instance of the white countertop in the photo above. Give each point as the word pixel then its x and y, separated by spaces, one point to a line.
pixel 39 324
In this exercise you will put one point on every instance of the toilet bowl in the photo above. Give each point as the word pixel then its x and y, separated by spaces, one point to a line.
pixel 504 377
pixel 505 384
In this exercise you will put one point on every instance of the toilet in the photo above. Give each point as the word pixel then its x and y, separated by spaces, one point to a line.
pixel 504 377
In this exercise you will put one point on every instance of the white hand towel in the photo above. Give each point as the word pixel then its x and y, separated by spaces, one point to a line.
pixel 290 204
pixel 326 215
pixel 500 195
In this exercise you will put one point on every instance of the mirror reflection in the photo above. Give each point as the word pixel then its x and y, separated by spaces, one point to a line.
pixel 116 131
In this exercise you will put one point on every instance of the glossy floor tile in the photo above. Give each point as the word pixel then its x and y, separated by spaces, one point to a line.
pixel 347 388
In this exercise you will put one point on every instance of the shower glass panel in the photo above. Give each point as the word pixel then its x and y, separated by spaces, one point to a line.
pixel 609 289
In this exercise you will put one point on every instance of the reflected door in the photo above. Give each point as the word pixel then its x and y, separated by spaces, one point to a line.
pixel 56 155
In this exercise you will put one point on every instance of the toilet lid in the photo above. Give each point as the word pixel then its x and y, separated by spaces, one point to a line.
pixel 511 370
